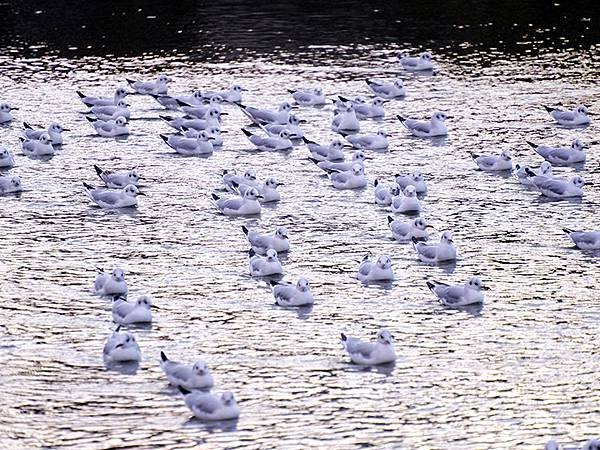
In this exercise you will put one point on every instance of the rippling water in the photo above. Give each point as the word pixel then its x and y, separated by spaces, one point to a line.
pixel 519 371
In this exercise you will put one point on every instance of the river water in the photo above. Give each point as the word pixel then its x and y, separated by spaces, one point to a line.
pixel 522 369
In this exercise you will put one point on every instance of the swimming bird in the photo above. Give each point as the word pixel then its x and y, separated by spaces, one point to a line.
pixel 387 90
pixel 90 101
pixel 5 112
pixel 54 131
pixel 10 184
pixel 434 127
pixel 271 143
pixel 200 145
pixel 110 128
pixel 267 190
pixel 458 294
pixel 110 283
pixel 346 120
pixel 121 347
pixel 358 157
pixel 37 147
pixel 436 253
pixel 415 179
pixel 331 152
pixel 260 243
pixel 292 126
pixel 112 112
pixel 584 240
pixel 292 295
pixel 578 116
pixel 231 95
pixel 246 205
pixel 528 176
pixel 370 353
pixel 206 406
pixel 373 111
pixel 494 163
pixel 561 156
pixel 262 266
pixel 215 134
pixel 406 201
pixel 197 376
pixel 124 312
pixel 171 102
pixel 265 116
pixel 200 111
pixel 117 179
pixel 384 194
pixel 419 63
pixel 6 158
pixel 561 188
pixel 380 270
pixel 113 198
pixel 157 87
pixel 230 177
pixel 351 179
pixel 406 231
pixel 212 119
pixel 372 141
pixel 309 97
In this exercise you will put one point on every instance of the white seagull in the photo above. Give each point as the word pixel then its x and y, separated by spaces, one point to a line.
pixel 265 116
pixel 370 353
pixel 384 194
pixel 415 179
pixel 200 145
pixel 528 176
pixel 387 90
pixel 292 295
pixel 267 190
pixel 124 312
pixel 560 188
pixel 197 376
pixel 121 347
pixel 561 156
pixel 271 143
pixel 346 121
pixel 434 127
pixel 37 147
pixel 351 179
pixel 6 158
pixel 260 243
pixel 406 231
pixel 309 97
pixel 380 270
pixel 331 152
pixel 110 283
pixel 445 251
pixel 579 116
pixel 358 157
pixel 584 240
pixel 157 87
pixel 212 119
pixel 246 205
pixel 494 163
pixel 406 201
pixel 113 198
pixel 230 177
pixel 90 101
pixel 413 64
pixel 110 128
pixel 54 131
pixel 10 184
pixel 262 266
pixel 458 294
pixel 206 406
pixel 5 112
pixel 292 127
pixel 112 112
pixel 372 141
pixel 117 179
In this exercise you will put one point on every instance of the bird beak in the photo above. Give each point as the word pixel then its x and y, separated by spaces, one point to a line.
pixel 210 138
pixel 429 226
pixel 141 193
pixel 244 90
pixel 66 129
pixel 284 236
pixel 260 196
pixel 280 184
pixel 368 157
pixel 14 109
pixel 449 117
pixel 223 131
pixel 485 288
pixel 224 114
pixel 302 121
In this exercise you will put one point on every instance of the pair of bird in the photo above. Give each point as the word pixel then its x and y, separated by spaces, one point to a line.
pixel 364 110
pixel 241 184
pixel 39 143
pixel 192 144
pixel 230 95
pixel 120 191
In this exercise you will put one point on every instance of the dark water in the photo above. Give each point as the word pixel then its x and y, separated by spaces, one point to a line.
pixel 521 370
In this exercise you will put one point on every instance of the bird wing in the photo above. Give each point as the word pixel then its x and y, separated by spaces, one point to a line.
pixel 303 97
pixel 121 309
pixel 418 125
pixel 365 268
pixel 426 250
pixel 284 293
pixel 206 404
pixel 230 203
pixel 357 346
pixel 556 186
pixel 107 197
pixel 260 241
pixel 486 161
pixel 341 177
pixel 180 372
pixel 106 126
pixel 450 294
pixel 187 144
pixel 560 154
pixel 563 115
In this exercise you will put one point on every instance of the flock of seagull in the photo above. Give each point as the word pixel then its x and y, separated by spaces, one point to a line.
pixel 198 133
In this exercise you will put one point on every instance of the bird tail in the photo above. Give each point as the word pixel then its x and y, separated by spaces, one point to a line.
pixel 532 145
pixel 246 132
pixel 27 126
pixel 245 230
pixel 529 172
pixel 568 230
pixel 390 219
pixel 91 119
pixel 99 171
pixel 251 253
pixel 180 103
pixel 376 182
pixel 165 118
pixel 547 108
pixel 316 161
pixel 431 286
pixel 402 120
pixel 307 141
pixel 183 390
pixel 166 139
pixel 163 357
pixel 81 94
pixel 344 99
pixel 88 187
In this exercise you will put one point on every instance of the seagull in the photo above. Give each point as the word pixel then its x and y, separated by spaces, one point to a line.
pixel 260 243
pixel 89 101
pixel 384 194
pixel 406 231
pixel 358 157
pixel 271 143
pixel 212 120
pixel 380 270
pixel 157 87
pixel 373 141
pixel 419 63
pixel 262 266
pixel 10 184
pixel 191 146
pixel 246 205
pixel 110 283
pixel 561 156
pixel 5 112
pixel 523 173
pixel 494 163
pixel 579 116
pixel 124 312
pixel 346 120
pixel 200 111
pixel 197 376
pixel 373 111
pixel 436 253
pixel 387 90
pixel 458 294
pixel 406 201
pixel 268 190
pixel 113 198
pixel 560 188
pixel 110 128
pixel 40 147
pixel 6 158
pixel 206 406
pixel 230 177
pixel 265 116
pixel 351 179
pixel 292 128
pixel 231 95
pixel 112 112
pixel 121 347
pixel 292 295
pixel 117 179
pixel 309 97
pixel 415 179
pixel 584 240
pixel 331 152
pixel 171 102
pixel 54 131
pixel 420 128
pixel 370 353
pixel 215 134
